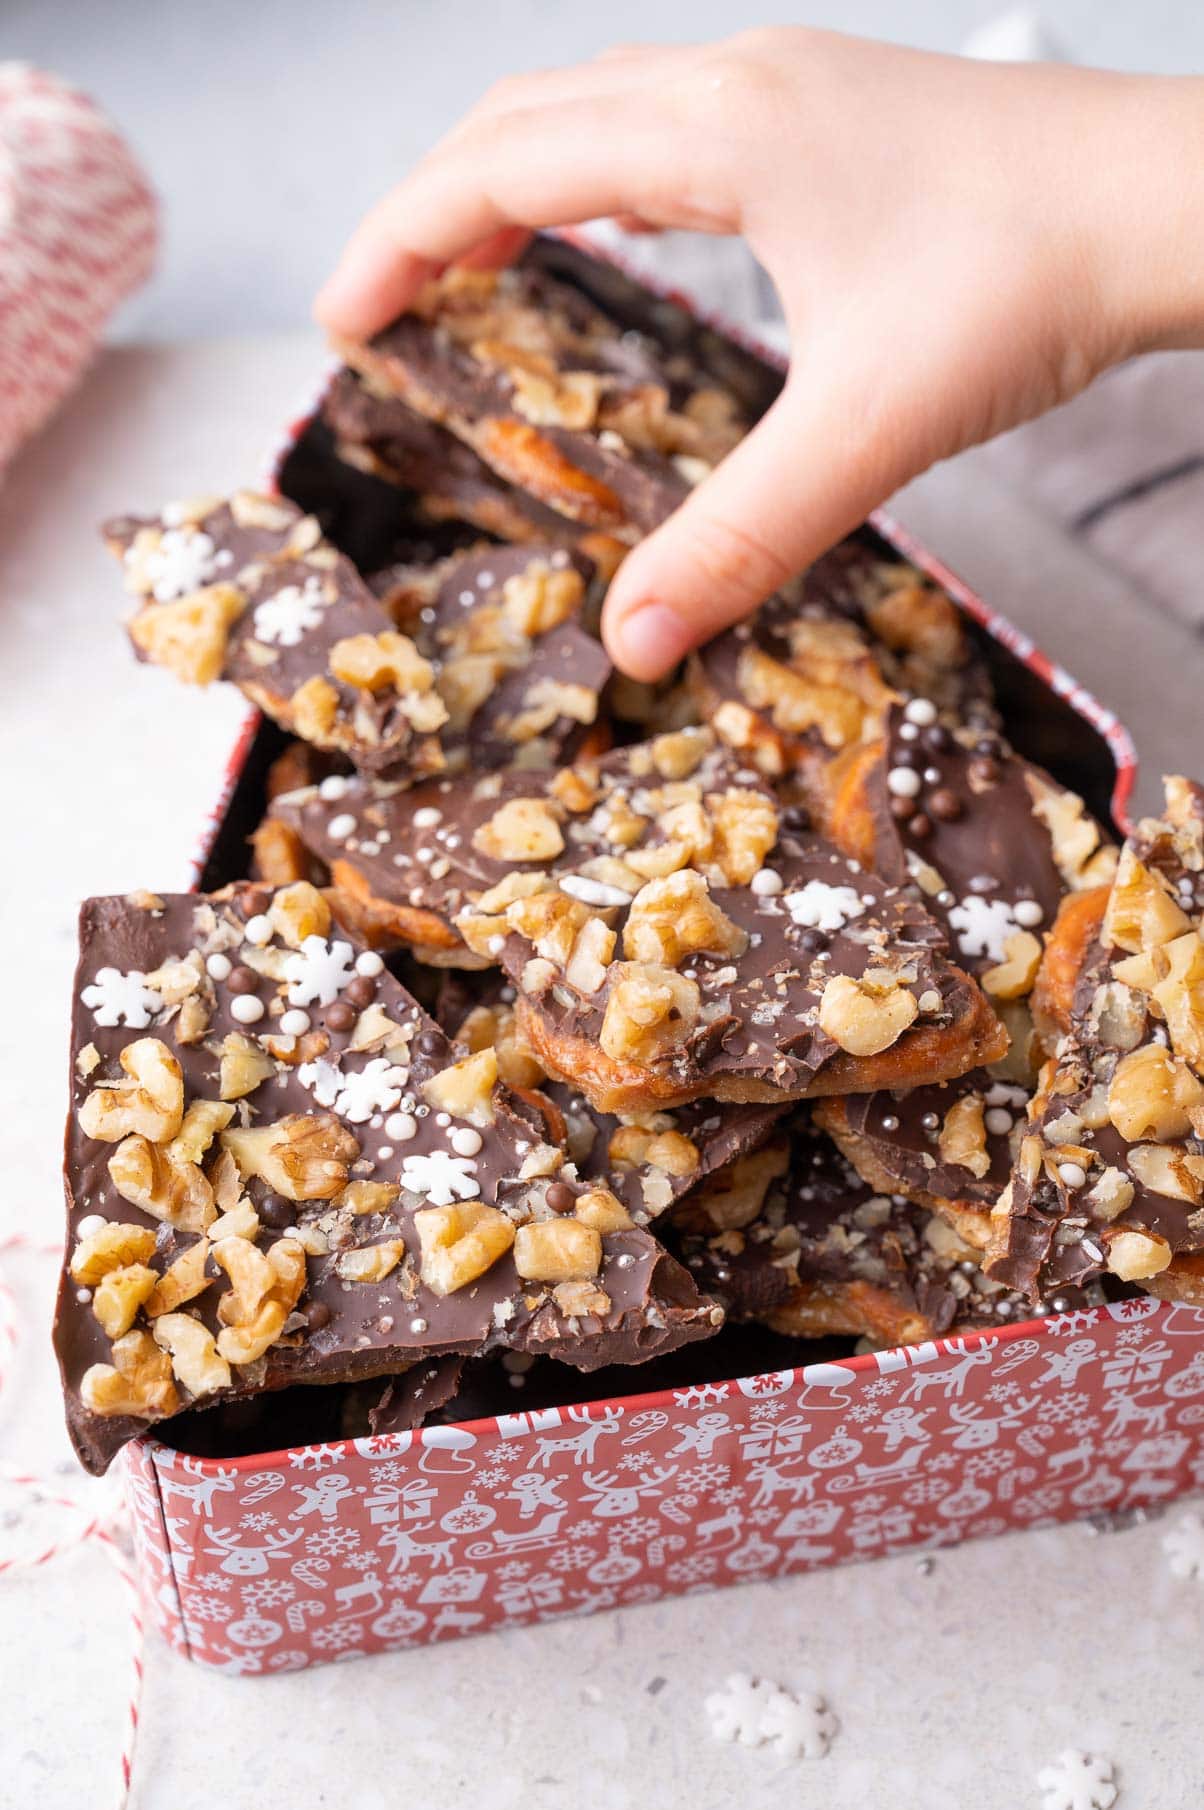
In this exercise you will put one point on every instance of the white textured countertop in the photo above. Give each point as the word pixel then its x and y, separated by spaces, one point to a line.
pixel 953 1685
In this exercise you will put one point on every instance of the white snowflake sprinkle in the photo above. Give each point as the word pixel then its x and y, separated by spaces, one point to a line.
pixel 1184 1547
pixel 440 1177
pixel 818 906
pixel 284 618
pixel 757 1713
pixel 318 971
pixel 117 998
pixel 184 561
pixel 983 926
pixel 375 1088
pixel 1077 1781
pixel 323 1080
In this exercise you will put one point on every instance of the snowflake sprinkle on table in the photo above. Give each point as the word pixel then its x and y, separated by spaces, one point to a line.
pixel 1184 1547
pixel 1078 1781
pixel 758 1713
pixel 117 998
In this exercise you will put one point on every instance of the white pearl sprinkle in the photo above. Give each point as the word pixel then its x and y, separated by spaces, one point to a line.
pixel 295 1022
pixel 83 1296
pixel 921 711
pixel 246 1008
pixel 333 789
pixel 340 827
pixel 427 817
pixel 464 1141
pixel 258 931
pixel 903 782
pixel 998 1121
pixel 1073 1174
pixel 1027 913
pixel 418 1324
pixel 401 1127
pixel 766 883
pixel 218 966
pixel 90 1224
pixel 369 963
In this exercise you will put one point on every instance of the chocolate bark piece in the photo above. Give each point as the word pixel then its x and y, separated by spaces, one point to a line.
pixel 247 590
pixel 992 841
pixel 381 435
pixel 948 1147
pixel 408 864
pixel 280 1170
pixel 1110 1176
pixel 810 675
pixel 827 1253
pixel 586 418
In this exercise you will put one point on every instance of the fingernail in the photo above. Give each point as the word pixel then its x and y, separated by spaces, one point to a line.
pixel 649 640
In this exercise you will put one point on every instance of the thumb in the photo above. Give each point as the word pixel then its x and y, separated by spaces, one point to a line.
pixel 809 472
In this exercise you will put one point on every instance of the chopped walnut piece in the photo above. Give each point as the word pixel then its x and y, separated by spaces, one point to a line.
pixel 545 701
pixel 523 829
pixel 1135 1255
pixel 1110 1195
pixel 676 917
pixel 549 920
pixel 114 1246
pixel 380 662
pixel 460 1242
pixel 679 753
pixel 579 1299
pixel 239 1221
pixel 264 1290
pixel 593 952
pixel 195 1358
pixel 864 1018
pixel 557 1250
pixel 304 1156
pixel 314 710
pixel 179 1193
pixel 746 828
pixel 540 598
pixel 573 790
pixel 372 1262
pixel 1081 858
pixel 244 1067
pixel 650 1011
pixel 631 1146
pixel 1168 1169
pixel 138 1382
pixel 602 1210
pixel 495 1027
pixel 794 703
pixel 963 1136
pixel 181 1281
pixel 1180 997
pixel 201 1124
pixel 188 636
pixel 465 1089
pixel 1153 1094
pixel 150 1103
pixel 118 1296
pixel 1141 912
pixel 298 911
pixel 368 1197
pixel 1013 977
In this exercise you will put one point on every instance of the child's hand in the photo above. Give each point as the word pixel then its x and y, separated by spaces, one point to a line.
pixel 957 246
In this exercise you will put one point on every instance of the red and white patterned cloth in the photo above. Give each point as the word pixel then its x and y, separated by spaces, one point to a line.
pixel 77 235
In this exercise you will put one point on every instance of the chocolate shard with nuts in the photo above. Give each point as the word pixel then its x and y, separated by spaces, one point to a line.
pixel 822 1252
pixel 553 396
pixel 1109 1177
pixel 949 1146
pixel 247 590
pixel 380 434
pixel 809 677
pixel 280 1170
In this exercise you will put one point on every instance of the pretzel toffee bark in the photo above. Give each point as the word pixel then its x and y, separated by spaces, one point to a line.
pixel 280 1170
pixel 811 674
pixel 824 1253
pixel 590 420
pixel 247 590
pixel 1110 1176
pixel 379 434
pixel 948 1147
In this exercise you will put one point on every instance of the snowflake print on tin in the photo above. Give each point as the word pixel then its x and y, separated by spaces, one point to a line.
pixel 757 1713
pixel 319 971
pixel 441 1177
pixel 117 998
pixel 1077 1781
pixel 1184 1547
pixel 283 619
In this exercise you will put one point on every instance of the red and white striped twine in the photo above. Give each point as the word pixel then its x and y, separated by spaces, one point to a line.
pixel 81 1524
